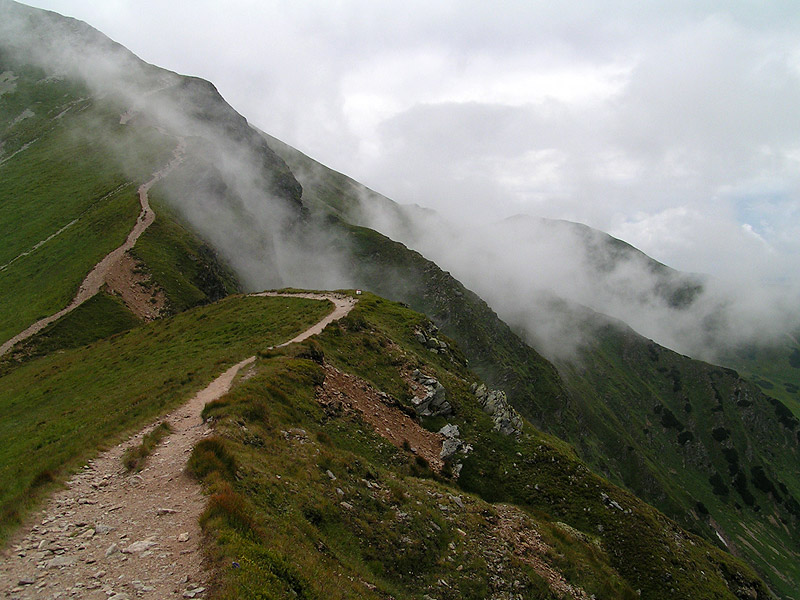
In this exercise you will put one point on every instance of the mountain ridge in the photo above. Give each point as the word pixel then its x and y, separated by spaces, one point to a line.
pixel 281 239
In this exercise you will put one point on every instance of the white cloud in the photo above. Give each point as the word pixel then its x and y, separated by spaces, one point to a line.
pixel 672 125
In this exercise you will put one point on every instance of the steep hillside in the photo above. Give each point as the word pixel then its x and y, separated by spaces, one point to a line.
pixel 775 368
pixel 79 139
pixel 333 423
pixel 696 440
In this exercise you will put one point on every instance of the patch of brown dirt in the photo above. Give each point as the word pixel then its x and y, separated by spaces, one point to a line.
pixel 342 392
pixel 128 280
pixel 518 536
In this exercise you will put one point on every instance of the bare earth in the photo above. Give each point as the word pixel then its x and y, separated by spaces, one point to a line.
pixel 117 536
pixel 136 289
pixel 343 392
pixel 97 276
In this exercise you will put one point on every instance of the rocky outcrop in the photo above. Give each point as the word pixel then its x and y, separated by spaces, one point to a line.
pixel 495 404
pixel 433 403
pixel 451 445
pixel 452 442
pixel 427 337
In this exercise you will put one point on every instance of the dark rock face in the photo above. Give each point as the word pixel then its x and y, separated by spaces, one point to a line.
pixel 434 402
pixel 495 404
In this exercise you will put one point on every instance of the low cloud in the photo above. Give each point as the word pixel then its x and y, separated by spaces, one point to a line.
pixel 231 188
pixel 683 141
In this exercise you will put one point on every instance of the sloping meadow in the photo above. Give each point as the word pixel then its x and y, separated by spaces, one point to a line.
pixel 309 499
pixel 61 409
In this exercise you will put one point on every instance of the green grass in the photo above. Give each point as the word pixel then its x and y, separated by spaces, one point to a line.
pixel 135 457
pixel 775 369
pixel 99 317
pixel 60 409
pixel 277 521
pixel 276 515
pixel 67 182
pixel 645 399
pixel 70 197
pixel 187 270
pixel 46 280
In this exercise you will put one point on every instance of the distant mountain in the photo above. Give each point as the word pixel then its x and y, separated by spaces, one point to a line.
pixel 699 442
pixel 83 123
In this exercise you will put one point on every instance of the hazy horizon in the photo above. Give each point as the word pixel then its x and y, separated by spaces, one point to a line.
pixel 499 131
pixel 672 127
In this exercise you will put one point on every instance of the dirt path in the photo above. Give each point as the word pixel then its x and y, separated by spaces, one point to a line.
pixel 116 536
pixel 97 276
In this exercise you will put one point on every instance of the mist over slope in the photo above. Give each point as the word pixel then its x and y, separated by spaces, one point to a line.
pixel 232 189
pixel 240 196
pixel 522 264
pixel 519 262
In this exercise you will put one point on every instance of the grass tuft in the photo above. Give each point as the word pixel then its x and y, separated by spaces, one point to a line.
pixel 211 456
pixel 135 457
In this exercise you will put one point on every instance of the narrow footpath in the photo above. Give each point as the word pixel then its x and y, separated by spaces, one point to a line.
pixel 111 535
pixel 97 276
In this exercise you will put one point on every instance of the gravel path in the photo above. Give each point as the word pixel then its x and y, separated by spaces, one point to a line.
pixel 117 536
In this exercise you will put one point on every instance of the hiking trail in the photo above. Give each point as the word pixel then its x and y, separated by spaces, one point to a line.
pixel 97 276
pixel 113 535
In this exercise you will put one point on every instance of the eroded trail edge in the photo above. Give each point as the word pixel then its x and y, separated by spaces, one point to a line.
pixel 97 276
pixel 112 535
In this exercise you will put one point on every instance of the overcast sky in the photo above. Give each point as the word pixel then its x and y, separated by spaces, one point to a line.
pixel 673 125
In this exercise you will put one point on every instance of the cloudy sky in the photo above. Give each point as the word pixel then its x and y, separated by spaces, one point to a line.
pixel 673 125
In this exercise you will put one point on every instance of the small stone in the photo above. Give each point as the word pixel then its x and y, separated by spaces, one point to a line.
pixel 139 546
pixel 346 505
pixel 183 537
pixel 457 499
pixel 165 511
pixel 331 476
pixel 27 579
pixel 112 549
pixel 61 561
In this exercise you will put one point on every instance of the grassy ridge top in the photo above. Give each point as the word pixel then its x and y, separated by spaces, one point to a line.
pixel 60 409
pixel 310 500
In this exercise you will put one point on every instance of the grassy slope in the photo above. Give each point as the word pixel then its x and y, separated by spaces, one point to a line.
pixel 594 410
pixel 775 369
pixel 495 352
pixel 698 441
pixel 276 514
pixel 58 410
pixel 64 179
pixel 185 267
